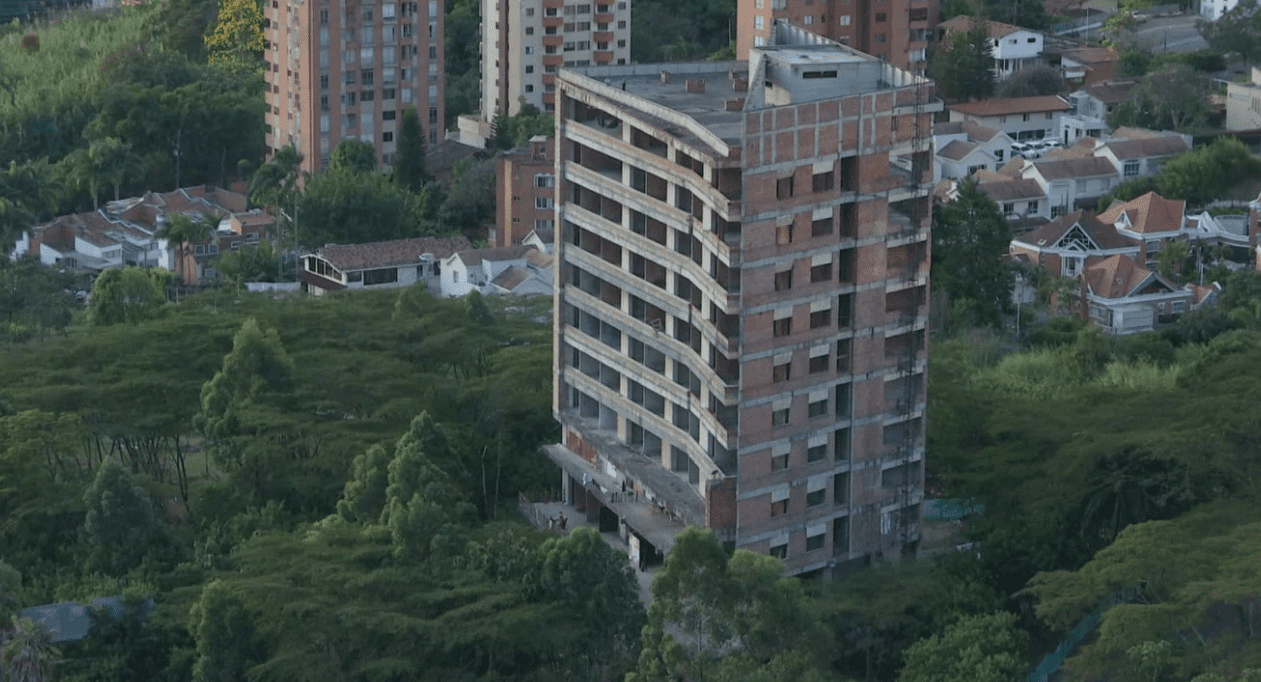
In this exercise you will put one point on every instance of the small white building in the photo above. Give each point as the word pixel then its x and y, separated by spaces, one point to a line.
pixel 1212 10
pixel 481 269
pixel 1012 47
pixel 963 147
pixel 1022 118
pixel 1068 182
pixel 1091 107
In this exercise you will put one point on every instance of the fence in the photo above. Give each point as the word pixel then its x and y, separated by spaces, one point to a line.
pixel 1052 661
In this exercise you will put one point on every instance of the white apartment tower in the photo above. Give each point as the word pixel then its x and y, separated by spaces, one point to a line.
pixel 525 42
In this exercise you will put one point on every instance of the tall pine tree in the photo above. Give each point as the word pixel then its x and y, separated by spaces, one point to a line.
pixel 409 166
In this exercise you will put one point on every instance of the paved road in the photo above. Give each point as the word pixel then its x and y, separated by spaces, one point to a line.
pixel 1171 34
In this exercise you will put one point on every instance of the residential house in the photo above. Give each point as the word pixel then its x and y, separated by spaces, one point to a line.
pixel 1022 118
pixel 1012 47
pixel 1071 183
pixel 533 280
pixel 1063 245
pixel 126 232
pixel 1122 297
pixel 1021 200
pixel 1091 107
pixel 1243 103
pixel 1150 220
pixel 964 147
pixel 1136 152
pixel 477 269
pixel 378 265
pixel 1090 65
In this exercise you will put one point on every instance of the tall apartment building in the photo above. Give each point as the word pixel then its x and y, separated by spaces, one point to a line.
pixel 525 193
pixel 897 31
pixel 340 69
pixel 525 42
pixel 742 299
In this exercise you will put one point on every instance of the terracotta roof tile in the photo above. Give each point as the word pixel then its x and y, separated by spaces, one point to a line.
pixel 1103 235
pixel 1147 147
pixel 511 278
pixel 385 254
pixel 956 150
pixel 1116 276
pixel 1091 55
pixel 994 29
pixel 1012 190
pixel 1068 169
pixel 1148 214
pixel 494 254
pixel 1111 92
pixel 1012 105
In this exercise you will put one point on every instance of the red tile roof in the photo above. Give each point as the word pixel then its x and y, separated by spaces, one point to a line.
pixel 1068 169
pixel 1011 105
pixel 1116 276
pixel 993 29
pixel 396 252
pixel 1148 214
pixel 1103 235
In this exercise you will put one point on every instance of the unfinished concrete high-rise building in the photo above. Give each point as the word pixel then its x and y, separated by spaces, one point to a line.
pixel 742 299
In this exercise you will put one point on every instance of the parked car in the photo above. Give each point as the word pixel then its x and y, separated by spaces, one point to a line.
pixel 1025 149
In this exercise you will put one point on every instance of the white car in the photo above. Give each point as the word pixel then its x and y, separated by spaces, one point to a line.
pixel 1025 149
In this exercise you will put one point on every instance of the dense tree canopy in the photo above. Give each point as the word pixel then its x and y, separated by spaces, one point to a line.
pixel 970 238
pixel 963 66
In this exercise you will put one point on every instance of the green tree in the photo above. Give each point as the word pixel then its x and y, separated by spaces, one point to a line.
pixel 471 201
pixel 182 231
pixel 593 580
pixel 1031 82
pixel 28 655
pixel 364 496
pixel 249 264
pixel 409 165
pixel 987 648
pixel 1173 96
pixel 10 591
pixel 1237 31
pixel 129 296
pixel 237 40
pixel 343 207
pixel 120 525
pixel 1171 257
pixel 225 635
pixel 421 500
pixel 353 156
pixel 257 364
pixel 276 181
pixel 1201 175
pixel 964 68
pixel 743 606
pixel 970 239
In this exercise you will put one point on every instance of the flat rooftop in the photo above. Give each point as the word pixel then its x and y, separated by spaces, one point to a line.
pixel 798 73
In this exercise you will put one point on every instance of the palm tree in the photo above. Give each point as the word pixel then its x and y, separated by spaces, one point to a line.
pixel 182 231
pixel 28 654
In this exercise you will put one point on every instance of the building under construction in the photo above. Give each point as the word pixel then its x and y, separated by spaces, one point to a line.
pixel 742 300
